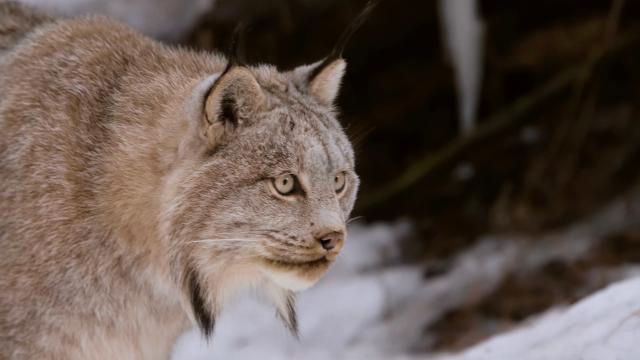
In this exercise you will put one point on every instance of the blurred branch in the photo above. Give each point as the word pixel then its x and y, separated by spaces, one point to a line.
pixel 572 134
pixel 509 117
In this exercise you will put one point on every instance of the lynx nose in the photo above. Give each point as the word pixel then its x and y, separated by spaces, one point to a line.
pixel 331 240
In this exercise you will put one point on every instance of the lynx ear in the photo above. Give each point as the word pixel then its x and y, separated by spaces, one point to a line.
pixel 218 105
pixel 232 101
pixel 324 83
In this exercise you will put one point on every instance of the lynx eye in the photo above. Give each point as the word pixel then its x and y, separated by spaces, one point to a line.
pixel 339 182
pixel 285 184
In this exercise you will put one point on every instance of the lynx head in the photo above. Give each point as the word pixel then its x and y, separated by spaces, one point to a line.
pixel 265 186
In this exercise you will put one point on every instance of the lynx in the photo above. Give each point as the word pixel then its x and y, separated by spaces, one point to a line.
pixel 144 185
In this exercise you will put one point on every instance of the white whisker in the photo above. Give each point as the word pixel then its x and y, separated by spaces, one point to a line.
pixel 212 240
pixel 354 219
pixel 248 232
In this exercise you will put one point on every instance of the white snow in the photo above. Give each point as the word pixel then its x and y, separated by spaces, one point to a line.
pixel 604 326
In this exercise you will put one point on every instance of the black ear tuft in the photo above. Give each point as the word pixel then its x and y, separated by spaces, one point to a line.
pixel 338 49
pixel 234 88
pixel 234 57
pixel 203 315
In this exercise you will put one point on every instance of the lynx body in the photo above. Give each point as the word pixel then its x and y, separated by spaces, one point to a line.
pixel 142 185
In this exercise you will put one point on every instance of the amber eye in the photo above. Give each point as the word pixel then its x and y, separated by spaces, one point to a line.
pixel 339 182
pixel 285 184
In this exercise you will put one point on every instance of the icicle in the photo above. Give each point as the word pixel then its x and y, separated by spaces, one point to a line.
pixel 463 39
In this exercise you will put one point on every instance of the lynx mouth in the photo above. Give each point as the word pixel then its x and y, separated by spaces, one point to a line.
pixel 301 265
pixel 296 275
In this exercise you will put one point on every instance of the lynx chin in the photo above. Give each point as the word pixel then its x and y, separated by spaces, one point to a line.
pixel 143 185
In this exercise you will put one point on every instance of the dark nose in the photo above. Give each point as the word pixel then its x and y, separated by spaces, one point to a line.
pixel 331 240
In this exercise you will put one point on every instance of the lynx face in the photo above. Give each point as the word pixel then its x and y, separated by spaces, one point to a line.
pixel 268 185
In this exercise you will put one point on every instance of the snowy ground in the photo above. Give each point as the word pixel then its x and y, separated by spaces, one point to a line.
pixel 605 326
pixel 371 306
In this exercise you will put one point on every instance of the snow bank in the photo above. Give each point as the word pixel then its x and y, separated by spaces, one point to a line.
pixel 601 327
